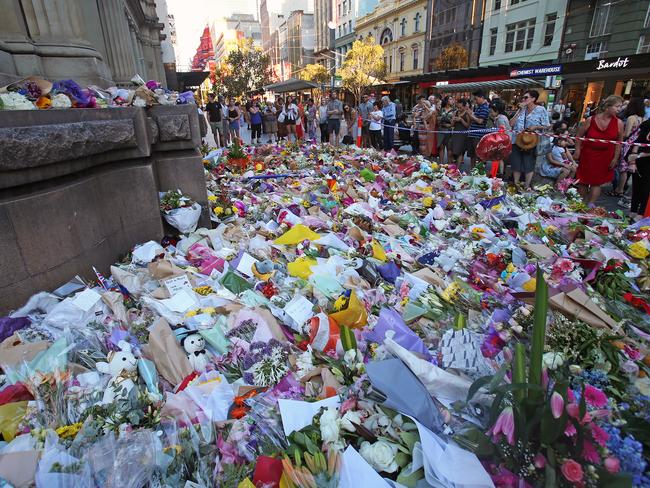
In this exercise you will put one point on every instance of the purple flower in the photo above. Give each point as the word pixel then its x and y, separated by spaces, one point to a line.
pixel 152 84
pixel 185 97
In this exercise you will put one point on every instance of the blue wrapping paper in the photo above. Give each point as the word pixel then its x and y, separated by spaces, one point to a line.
pixel 390 320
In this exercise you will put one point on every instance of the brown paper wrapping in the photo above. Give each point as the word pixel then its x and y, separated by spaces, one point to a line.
pixel 19 468
pixel 13 351
pixel 116 303
pixel 393 230
pixel 539 250
pixel 430 277
pixel 166 353
pixel 164 269
pixel 318 381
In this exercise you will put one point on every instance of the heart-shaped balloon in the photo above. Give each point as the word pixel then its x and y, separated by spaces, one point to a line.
pixel 494 146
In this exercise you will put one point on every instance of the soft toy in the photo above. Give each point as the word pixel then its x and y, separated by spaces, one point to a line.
pixel 194 346
pixel 123 368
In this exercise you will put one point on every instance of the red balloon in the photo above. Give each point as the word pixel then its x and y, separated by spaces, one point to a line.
pixel 494 146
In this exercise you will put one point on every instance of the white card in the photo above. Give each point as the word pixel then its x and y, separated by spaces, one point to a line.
pixel 177 284
pixel 299 309
pixel 181 302
pixel 86 299
pixel 245 265
pixel 297 414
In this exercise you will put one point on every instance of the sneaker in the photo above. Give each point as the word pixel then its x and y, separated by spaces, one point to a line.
pixel 623 203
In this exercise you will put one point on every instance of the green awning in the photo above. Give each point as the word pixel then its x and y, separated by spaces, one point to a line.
pixel 292 84
pixel 490 85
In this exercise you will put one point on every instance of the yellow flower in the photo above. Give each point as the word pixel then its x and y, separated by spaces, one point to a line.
pixel 530 285
pixel 209 310
pixel 511 268
pixel 638 250
pixel 206 162
pixel 427 202
pixel 434 166
pixel 218 210
pixel 212 198
pixel 450 293
pixel 551 229
pixel 233 209
pixel 192 313
pixel 203 290
pixel 340 303
pixel 69 430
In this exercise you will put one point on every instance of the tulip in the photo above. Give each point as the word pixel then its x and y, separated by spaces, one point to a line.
pixel 505 425
pixel 557 405
pixel 540 461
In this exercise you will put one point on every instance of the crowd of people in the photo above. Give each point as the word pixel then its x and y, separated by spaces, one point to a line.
pixel 450 128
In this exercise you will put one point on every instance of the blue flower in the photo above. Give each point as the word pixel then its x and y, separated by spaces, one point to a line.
pixel 629 451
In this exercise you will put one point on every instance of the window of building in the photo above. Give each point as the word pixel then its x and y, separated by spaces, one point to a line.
pixel 647 18
pixel 515 2
pixel 345 6
pixel 644 45
pixel 350 26
pixel 417 18
pixel 390 63
pixel 403 27
pixel 497 5
pixel 386 37
pixel 596 50
pixel 345 29
pixel 416 56
pixel 338 9
pixel 402 57
pixel 549 28
pixel 601 24
pixel 519 35
pixel 339 31
pixel 493 41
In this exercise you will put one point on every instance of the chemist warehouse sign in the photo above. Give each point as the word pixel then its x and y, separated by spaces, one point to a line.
pixel 548 70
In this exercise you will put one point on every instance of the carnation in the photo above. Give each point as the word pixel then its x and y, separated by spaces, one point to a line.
pixel 15 101
pixel 61 101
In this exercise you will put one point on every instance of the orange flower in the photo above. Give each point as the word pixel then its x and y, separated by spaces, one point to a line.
pixel 43 102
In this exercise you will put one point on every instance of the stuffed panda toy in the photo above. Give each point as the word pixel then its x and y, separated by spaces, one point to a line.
pixel 194 346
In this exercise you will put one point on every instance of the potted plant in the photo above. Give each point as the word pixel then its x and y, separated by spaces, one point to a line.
pixel 237 158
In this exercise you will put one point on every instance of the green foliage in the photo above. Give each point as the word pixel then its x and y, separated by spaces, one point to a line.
pixel 316 73
pixel 363 66
pixel 245 70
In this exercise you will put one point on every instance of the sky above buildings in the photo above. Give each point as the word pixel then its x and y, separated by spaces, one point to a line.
pixel 191 16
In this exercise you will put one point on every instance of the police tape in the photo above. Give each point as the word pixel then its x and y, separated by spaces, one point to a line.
pixel 481 132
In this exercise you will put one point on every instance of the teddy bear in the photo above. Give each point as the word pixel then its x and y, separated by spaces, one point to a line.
pixel 194 346
pixel 122 365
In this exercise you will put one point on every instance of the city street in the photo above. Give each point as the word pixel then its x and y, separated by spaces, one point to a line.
pixel 423 260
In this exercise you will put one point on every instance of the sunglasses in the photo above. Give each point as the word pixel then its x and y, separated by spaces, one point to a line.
pixel 525 97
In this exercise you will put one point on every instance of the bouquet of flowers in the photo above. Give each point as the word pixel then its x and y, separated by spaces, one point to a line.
pixel 180 211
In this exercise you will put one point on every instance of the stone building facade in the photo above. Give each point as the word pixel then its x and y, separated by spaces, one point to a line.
pixel 399 26
pixel 101 42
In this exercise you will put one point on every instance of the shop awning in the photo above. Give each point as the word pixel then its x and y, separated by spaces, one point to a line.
pixel 292 84
pixel 491 85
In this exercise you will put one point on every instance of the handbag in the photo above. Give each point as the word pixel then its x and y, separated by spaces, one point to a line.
pixel 526 141
pixel 281 117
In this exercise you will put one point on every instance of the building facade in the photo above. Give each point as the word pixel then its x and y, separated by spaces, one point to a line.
pixel 399 26
pixel 94 42
pixel 522 31
pixel 605 28
pixel 324 48
pixel 454 22
pixel 300 40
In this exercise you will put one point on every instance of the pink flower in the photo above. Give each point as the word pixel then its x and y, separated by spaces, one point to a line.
pixel 505 425
pixel 570 429
pixel 612 465
pixel 572 471
pixel 574 411
pixel 540 461
pixel 595 397
pixel 599 435
pixel 632 353
pixel 589 453
pixel 557 405
pixel 569 395
pixel 544 378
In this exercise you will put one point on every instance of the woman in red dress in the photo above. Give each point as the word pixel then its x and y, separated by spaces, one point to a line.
pixel 597 160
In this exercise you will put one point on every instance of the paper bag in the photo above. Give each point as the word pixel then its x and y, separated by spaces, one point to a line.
pixel 578 305
pixel 115 301
pixel 166 353
pixel 131 281
pixel 539 250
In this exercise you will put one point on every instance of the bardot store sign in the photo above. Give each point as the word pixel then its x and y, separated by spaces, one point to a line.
pixel 550 70
pixel 613 64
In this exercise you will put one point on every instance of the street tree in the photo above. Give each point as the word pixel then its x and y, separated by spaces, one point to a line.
pixel 363 66
pixel 246 69
pixel 454 56
pixel 316 73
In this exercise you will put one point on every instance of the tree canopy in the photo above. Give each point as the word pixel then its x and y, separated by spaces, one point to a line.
pixel 454 56
pixel 244 70
pixel 316 73
pixel 363 66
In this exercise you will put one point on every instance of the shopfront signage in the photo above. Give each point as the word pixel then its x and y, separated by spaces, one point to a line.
pixel 548 70
pixel 441 83
pixel 611 64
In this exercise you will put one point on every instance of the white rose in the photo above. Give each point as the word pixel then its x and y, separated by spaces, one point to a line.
pixel 329 425
pixel 553 360
pixel 380 455
pixel 351 417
